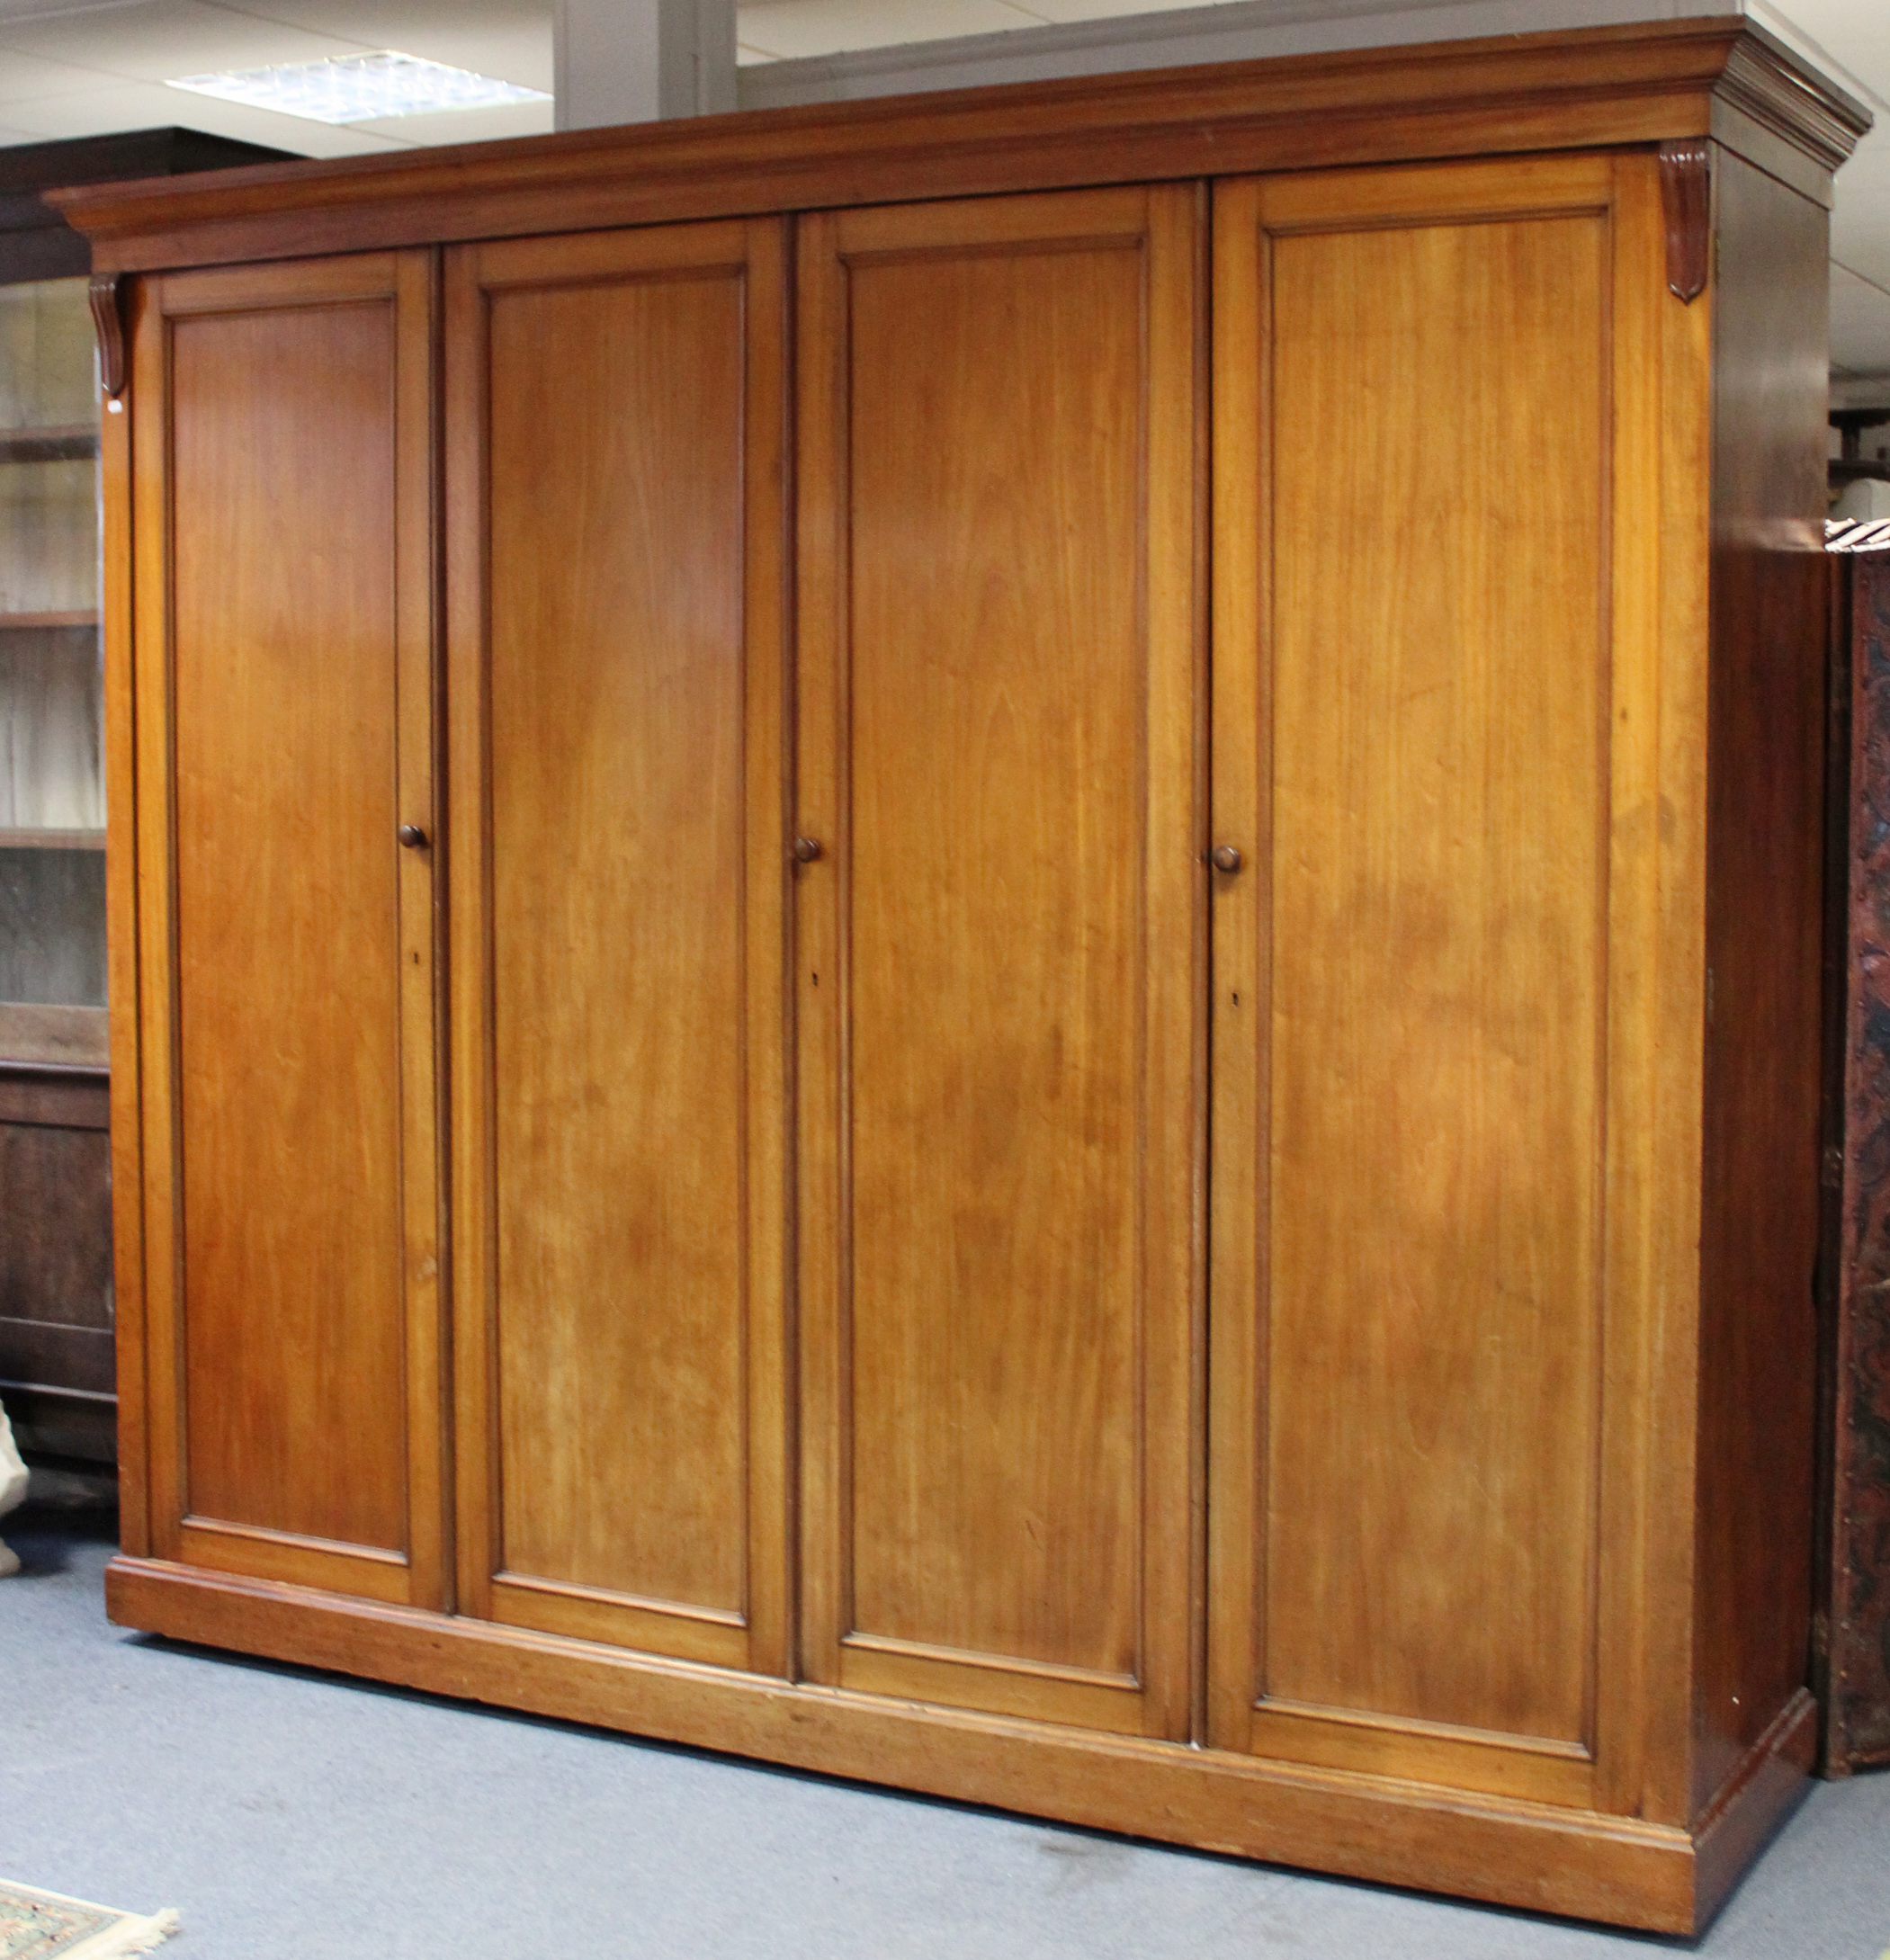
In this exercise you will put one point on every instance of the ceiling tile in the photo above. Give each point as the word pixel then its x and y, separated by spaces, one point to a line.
pixel 24 76
pixel 148 106
pixel 160 40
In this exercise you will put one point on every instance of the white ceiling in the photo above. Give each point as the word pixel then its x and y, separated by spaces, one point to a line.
pixel 1850 38
pixel 84 67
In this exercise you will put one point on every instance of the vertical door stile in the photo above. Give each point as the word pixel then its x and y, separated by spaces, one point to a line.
pixel 470 930
pixel 1242 961
pixel 150 416
pixel 422 891
pixel 117 490
pixel 819 992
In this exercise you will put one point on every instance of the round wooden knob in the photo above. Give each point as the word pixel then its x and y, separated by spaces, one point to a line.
pixel 412 836
pixel 806 850
pixel 1225 857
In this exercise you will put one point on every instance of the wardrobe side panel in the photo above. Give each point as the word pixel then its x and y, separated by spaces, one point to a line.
pixel 1757 1335
pixel 282 507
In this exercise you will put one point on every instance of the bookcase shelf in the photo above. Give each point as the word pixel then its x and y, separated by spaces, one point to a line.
pixel 63 442
pixel 24 622
pixel 31 837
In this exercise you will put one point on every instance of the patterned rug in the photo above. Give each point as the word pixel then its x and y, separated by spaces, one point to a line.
pixel 46 1926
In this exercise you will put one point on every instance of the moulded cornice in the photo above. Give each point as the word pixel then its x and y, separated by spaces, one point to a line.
pixel 1645 84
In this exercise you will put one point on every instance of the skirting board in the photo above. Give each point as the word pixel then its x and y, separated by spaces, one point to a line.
pixel 1533 1856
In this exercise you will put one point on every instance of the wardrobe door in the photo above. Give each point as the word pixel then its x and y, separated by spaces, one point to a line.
pixel 1435 696
pixel 1000 979
pixel 283 468
pixel 617 560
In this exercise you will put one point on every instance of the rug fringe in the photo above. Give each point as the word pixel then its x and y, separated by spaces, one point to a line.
pixel 134 1934
pixel 163 1925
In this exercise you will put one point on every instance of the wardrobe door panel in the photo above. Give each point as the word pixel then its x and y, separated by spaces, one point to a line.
pixel 1419 592
pixel 284 649
pixel 997 973
pixel 618 629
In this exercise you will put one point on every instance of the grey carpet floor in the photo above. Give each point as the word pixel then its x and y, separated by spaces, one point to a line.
pixel 293 1816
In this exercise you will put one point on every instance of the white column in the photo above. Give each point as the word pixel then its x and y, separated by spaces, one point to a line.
pixel 636 60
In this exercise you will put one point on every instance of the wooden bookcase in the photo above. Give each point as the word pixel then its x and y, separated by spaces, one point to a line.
pixel 55 1300
pixel 976 940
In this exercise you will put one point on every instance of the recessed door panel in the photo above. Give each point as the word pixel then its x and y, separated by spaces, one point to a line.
pixel 630 671
pixel 996 957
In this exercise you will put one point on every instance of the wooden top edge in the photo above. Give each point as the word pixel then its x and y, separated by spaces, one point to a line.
pixel 1171 121
pixel 53 1037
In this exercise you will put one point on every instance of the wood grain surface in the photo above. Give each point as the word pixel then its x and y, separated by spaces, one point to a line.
pixel 836 1022
pixel 1412 697
pixel 1439 797
pixel 635 932
pixel 1535 1857
pixel 290 987
pixel 999 657
pixel 1764 898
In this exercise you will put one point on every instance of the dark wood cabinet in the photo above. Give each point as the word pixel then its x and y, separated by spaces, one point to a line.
pixel 1092 1092
pixel 55 1314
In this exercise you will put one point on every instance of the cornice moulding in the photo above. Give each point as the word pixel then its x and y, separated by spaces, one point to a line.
pixel 1650 83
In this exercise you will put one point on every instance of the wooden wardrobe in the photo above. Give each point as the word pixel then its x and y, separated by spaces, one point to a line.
pixel 975 940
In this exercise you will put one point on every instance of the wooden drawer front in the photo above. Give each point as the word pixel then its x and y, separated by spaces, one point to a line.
pixel 289 1024
pixel 54 1353
pixel 1430 620
pixel 619 668
pixel 996 989
pixel 55 1234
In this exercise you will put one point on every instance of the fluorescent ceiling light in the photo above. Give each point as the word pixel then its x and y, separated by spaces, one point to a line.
pixel 359 88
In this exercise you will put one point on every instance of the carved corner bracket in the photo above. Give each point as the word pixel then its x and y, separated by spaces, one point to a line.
pixel 109 321
pixel 1686 203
